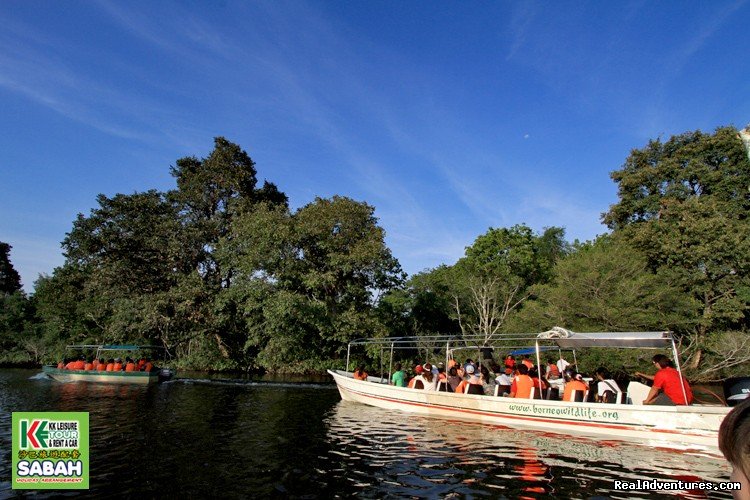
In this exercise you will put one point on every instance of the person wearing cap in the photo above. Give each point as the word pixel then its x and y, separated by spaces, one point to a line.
pixel 118 365
pixel 471 378
pixel 573 382
pixel 429 379
pixel 417 371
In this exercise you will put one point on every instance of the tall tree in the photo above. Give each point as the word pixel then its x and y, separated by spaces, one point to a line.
pixel 10 280
pixel 686 204
pixel 495 277
pixel 308 281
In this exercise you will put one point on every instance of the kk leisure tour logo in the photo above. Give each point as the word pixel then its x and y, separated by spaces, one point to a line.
pixel 51 450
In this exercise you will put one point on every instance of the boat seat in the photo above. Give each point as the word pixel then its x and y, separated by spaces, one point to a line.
pixel 418 384
pixel 578 396
pixel 443 386
pixel 502 390
pixel 474 389
pixel 553 394
pixel 536 393
pixel 613 397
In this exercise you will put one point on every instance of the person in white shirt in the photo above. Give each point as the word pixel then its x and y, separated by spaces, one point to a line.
pixel 562 365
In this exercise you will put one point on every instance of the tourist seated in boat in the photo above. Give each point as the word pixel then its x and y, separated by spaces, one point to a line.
pixel 148 365
pixel 453 378
pixel 552 372
pixel 667 387
pixel 61 365
pixel 562 365
pixel 141 364
pixel 537 381
pixel 118 365
pixel 734 443
pixel 417 372
pixel 441 375
pixel 399 376
pixel 527 361
pixel 78 364
pixel 522 383
pixel 505 378
pixel 89 365
pixel 607 389
pixel 471 379
pixel 129 365
pixel 488 381
pixel 510 362
pixel 111 365
pixel 573 382
pixel 102 366
pixel 429 379
pixel 360 373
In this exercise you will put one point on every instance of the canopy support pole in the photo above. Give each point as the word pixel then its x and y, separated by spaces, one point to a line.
pixel 679 370
pixel 348 351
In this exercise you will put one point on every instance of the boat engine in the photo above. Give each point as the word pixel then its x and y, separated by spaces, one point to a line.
pixel 736 390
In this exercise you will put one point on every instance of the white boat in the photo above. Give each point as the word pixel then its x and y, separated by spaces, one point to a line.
pixel 688 427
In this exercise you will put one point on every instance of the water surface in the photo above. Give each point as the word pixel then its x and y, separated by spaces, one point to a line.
pixel 243 438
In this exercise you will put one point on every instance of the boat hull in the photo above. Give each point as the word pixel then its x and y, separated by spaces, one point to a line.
pixel 141 378
pixel 687 427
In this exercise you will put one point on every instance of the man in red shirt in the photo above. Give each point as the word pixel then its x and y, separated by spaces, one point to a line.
pixel 668 380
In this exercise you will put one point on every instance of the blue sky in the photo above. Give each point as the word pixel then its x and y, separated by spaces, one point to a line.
pixel 448 117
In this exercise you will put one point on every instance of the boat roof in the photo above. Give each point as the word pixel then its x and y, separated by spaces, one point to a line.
pixel 115 347
pixel 567 339
pixel 558 337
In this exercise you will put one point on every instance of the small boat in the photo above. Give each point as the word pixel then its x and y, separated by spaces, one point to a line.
pixel 112 377
pixel 683 427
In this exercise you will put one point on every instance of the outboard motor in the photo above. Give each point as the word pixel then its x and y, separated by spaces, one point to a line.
pixel 165 374
pixel 736 390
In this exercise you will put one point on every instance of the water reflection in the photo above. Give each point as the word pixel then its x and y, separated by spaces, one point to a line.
pixel 412 455
pixel 240 438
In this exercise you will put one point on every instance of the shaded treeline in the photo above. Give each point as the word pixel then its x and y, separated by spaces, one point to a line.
pixel 225 275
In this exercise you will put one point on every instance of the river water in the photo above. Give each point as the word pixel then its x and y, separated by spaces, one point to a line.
pixel 239 438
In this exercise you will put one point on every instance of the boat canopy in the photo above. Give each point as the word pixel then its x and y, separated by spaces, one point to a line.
pixel 567 339
pixel 102 347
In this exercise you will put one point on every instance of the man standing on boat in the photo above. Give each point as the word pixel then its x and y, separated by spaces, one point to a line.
pixel 675 387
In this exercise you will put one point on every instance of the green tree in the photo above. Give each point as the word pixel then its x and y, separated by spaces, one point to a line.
pixel 10 280
pixel 308 281
pixel 685 203
pixel 606 285
pixel 494 279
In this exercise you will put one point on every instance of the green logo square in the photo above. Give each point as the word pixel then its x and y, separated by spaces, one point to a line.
pixel 50 450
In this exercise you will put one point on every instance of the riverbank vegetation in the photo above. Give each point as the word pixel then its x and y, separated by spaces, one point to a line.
pixel 222 272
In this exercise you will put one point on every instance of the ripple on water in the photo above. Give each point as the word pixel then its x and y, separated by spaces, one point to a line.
pixel 204 438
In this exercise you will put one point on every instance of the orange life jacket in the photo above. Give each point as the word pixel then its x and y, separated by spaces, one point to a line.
pixel 130 367
pixel 523 385
pixel 148 367
pixel 117 367
pixel 88 366
pixel 102 367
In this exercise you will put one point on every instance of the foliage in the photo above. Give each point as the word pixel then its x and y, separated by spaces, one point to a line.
pixel 606 285
pixel 10 280
pixel 685 203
